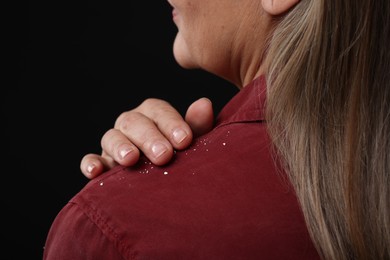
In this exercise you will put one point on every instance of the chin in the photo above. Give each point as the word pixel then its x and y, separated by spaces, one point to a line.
pixel 182 55
pixel 187 66
pixel 186 63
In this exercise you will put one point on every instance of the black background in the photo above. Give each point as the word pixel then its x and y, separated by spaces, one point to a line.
pixel 75 66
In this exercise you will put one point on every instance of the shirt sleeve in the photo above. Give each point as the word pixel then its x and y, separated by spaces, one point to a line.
pixel 74 236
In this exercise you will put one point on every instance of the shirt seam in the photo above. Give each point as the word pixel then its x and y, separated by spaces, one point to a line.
pixel 102 224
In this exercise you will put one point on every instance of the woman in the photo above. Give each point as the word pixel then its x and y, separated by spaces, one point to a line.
pixel 326 67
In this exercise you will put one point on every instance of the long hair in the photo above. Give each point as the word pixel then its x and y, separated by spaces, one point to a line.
pixel 328 113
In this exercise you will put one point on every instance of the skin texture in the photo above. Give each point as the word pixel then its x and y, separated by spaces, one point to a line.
pixel 229 42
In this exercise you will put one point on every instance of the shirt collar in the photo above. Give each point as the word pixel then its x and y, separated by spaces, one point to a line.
pixel 246 106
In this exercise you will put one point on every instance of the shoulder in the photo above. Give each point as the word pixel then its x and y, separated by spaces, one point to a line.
pixel 74 235
pixel 221 197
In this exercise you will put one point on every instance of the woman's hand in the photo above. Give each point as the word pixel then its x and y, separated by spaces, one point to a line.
pixel 154 128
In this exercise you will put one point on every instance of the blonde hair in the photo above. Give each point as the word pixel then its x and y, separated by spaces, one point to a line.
pixel 328 112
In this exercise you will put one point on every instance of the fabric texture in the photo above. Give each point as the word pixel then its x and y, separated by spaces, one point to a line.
pixel 222 198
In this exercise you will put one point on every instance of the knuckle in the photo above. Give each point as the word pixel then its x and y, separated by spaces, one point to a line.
pixel 148 102
pixel 108 141
pixel 120 118
pixel 151 102
pixel 127 120
pixel 153 106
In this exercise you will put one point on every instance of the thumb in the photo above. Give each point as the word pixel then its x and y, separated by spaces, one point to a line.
pixel 200 116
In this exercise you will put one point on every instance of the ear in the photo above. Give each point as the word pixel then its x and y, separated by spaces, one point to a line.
pixel 277 7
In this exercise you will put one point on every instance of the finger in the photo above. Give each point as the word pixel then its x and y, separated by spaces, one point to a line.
pixel 119 148
pixel 168 120
pixel 143 133
pixel 92 165
pixel 200 116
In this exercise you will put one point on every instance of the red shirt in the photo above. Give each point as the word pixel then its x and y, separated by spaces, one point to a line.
pixel 222 198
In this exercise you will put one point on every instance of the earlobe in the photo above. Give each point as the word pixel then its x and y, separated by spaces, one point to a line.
pixel 277 7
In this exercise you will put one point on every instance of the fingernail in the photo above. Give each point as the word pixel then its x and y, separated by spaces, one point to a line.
pixel 90 168
pixel 125 151
pixel 179 135
pixel 158 149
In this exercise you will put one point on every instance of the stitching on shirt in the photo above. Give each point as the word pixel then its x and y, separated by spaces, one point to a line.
pixel 101 223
